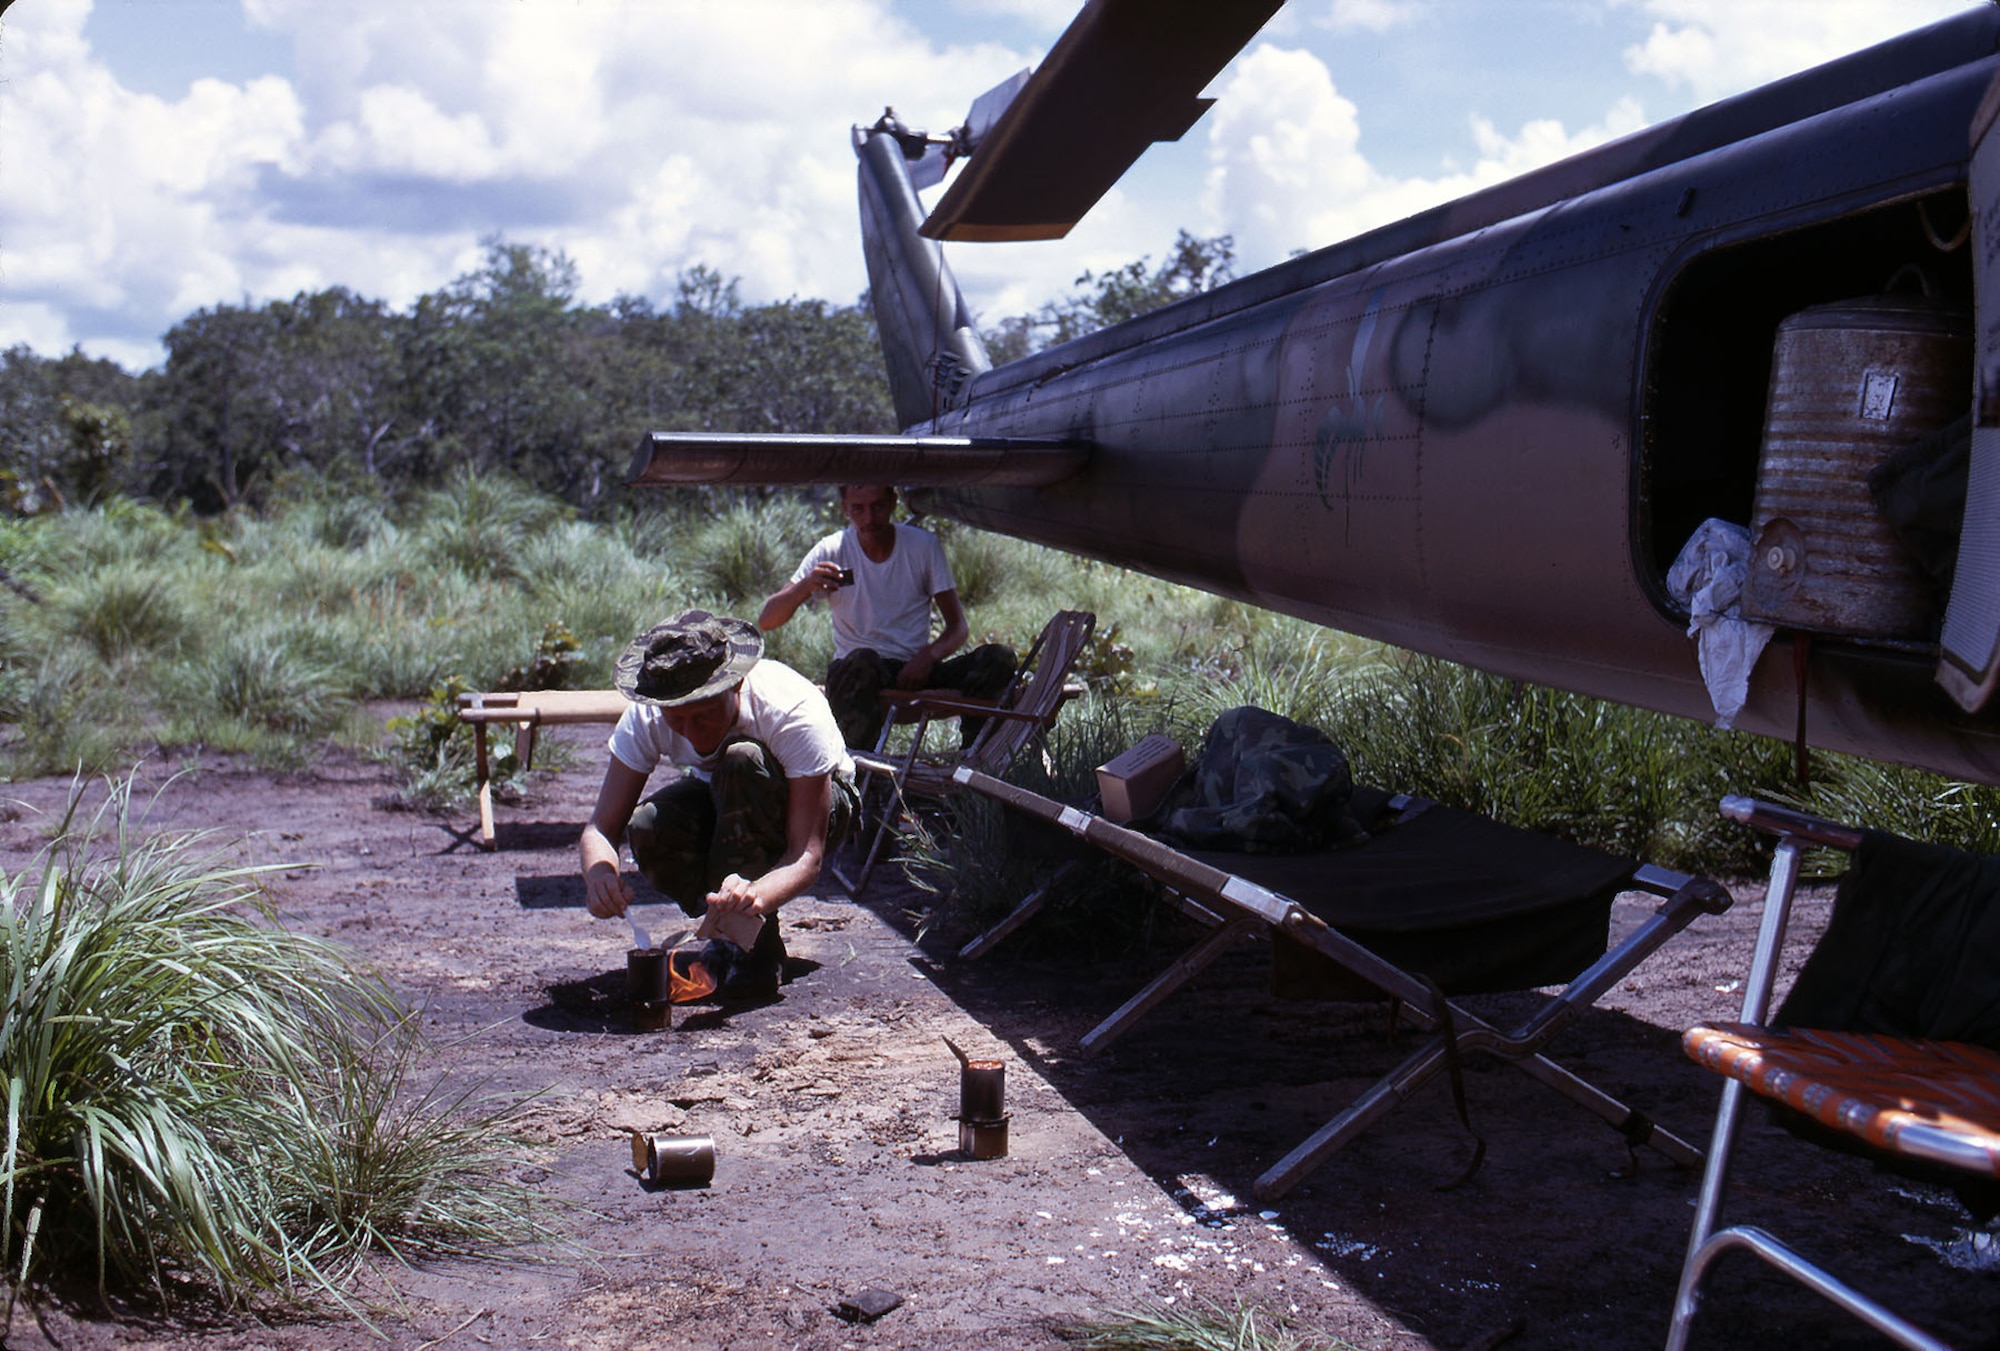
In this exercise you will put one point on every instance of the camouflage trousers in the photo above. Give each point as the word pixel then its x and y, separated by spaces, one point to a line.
pixel 690 835
pixel 854 681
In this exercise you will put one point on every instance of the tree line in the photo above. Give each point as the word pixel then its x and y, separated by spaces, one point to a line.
pixel 503 370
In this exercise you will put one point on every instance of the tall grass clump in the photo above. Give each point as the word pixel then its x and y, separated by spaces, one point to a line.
pixel 480 523
pixel 68 716
pixel 1196 1326
pixel 121 533
pixel 748 550
pixel 1623 779
pixel 1907 802
pixel 978 861
pixel 120 614
pixel 200 1101
pixel 258 690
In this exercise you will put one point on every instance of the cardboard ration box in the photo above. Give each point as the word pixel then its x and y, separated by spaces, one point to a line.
pixel 1133 784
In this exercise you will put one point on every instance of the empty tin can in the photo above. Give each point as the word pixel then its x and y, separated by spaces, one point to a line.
pixel 674 1160
pixel 646 975
pixel 983 1139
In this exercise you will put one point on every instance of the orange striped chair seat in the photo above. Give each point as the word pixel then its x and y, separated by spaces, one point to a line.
pixel 1925 1099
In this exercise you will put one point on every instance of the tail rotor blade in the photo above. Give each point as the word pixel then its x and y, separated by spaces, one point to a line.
pixel 1126 73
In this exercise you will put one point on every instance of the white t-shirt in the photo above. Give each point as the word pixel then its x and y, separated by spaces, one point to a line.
pixel 889 606
pixel 779 707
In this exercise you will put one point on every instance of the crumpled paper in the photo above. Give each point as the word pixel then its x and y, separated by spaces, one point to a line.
pixel 1708 578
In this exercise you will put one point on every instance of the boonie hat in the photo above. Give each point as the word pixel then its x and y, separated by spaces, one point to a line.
pixel 692 657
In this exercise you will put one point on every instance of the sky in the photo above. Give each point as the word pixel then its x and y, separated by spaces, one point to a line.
pixel 162 156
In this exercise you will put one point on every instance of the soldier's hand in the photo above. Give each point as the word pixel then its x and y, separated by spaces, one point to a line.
pixel 605 894
pixel 916 672
pixel 737 893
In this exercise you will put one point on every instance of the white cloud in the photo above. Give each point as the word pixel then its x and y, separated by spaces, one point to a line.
pixel 1374 16
pixel 111 194
pixel 640 138
pixel 1287 170
pixel 1050 15
pixel 1720 47
pixel 644 136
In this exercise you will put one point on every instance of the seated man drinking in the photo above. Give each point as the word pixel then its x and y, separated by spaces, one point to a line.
pixel 880 581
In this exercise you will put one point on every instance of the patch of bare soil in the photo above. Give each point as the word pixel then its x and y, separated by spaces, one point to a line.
pixel 1129 1175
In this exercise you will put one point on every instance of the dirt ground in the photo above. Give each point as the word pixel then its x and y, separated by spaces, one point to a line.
pixel 1129 1175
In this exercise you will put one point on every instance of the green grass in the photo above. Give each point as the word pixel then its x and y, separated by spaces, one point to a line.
pixel 200 1099
pixel 1196 1326
pixel 119 615
pixel 263 633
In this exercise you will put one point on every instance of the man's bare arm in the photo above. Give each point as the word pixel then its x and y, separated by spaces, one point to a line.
pixel 917 670
pixel 808 804
pixel 783 603
pixel 604 890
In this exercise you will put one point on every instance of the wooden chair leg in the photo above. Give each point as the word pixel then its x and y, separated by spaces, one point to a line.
pixel 483 773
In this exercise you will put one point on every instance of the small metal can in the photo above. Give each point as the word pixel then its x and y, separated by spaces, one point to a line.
pixel 983 1139
pixel 646 975
pixel 982 1090
pixel 675 1160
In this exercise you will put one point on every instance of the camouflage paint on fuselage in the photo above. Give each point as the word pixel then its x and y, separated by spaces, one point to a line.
pixel 1438 446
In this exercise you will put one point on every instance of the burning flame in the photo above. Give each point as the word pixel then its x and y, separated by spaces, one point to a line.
pixel 687 979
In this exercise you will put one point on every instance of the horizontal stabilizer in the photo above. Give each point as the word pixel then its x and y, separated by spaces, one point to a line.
pixel 668 459
pixel 1125 74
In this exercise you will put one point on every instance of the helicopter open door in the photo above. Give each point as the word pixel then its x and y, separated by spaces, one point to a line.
pixel 1969 656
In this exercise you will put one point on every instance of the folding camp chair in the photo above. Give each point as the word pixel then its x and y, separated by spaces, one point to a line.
pixel 1023 713
pixel 1374 910
pixel 1902 1100
pixel 527 711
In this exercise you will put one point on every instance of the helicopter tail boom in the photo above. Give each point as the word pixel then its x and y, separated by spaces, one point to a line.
pixel 928 338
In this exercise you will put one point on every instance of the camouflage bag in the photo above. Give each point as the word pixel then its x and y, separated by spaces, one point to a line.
pixel 1263 785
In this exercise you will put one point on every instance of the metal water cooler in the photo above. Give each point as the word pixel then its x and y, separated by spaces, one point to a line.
pixel 1851 383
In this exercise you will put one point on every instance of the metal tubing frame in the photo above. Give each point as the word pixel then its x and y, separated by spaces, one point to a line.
pixel 1706 1242
pixel 1415 999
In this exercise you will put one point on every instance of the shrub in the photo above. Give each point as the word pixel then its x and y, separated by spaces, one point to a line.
pixel 749 549
pixel 120 614
pixel 196 1095
pixel 433 753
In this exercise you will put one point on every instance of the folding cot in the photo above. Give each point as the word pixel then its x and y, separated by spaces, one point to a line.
pixel 1435 903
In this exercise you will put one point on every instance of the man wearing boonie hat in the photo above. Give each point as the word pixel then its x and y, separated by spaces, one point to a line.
pixel 766 788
